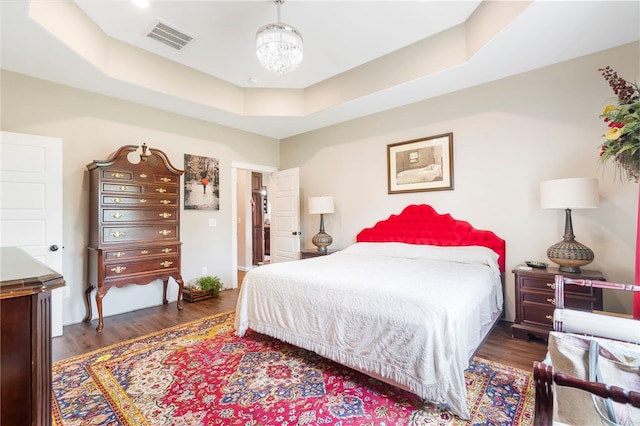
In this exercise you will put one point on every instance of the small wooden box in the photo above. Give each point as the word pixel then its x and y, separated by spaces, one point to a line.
pixel 189 295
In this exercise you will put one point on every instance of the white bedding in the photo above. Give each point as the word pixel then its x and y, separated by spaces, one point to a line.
pixel 410 315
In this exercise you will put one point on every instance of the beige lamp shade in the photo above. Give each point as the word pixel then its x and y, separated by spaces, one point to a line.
pixel 320 205
pixel 573 193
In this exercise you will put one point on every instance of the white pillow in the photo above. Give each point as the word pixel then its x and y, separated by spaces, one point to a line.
pixel 461 254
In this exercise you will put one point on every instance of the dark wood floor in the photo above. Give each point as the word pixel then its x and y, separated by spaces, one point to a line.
pixel 82 338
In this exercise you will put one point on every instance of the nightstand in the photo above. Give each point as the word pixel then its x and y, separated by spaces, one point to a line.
pixel 309 253
pixel 535 300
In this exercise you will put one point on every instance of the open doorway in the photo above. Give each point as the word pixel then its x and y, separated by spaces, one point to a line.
pixel 283 214
pixel 260 221
pixel 253 219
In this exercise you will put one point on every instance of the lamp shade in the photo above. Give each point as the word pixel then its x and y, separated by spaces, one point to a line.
pixel 573 193
pixel 320 205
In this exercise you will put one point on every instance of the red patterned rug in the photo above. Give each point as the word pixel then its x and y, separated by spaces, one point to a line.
pixel 201 373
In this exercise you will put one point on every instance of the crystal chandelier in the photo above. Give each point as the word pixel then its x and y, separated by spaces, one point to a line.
pixel 279 46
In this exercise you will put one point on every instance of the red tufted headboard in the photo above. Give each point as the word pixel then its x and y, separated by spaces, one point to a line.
pixel 421 224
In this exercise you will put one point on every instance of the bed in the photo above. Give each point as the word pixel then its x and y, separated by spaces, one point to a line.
pixel 408 303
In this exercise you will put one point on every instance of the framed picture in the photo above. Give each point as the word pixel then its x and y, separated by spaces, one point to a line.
pixel 201 183
pixel 421 164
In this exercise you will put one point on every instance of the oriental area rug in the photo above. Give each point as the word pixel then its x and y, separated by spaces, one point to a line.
pixel 201 373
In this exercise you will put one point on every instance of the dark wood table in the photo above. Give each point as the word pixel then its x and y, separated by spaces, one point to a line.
pixel 25 342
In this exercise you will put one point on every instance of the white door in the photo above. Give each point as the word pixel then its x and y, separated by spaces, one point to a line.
pixel 30 203
pixel 285 215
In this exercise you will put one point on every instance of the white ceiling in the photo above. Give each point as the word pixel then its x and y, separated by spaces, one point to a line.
pixel 349 68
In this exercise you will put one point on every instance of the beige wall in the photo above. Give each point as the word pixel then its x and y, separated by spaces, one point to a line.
pixel 509 135
pixel 92 127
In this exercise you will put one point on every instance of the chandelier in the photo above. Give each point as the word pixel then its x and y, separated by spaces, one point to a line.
pixel 279 46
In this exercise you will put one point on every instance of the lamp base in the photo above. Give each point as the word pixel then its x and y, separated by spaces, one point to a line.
pixel 322 240
pixel 570 255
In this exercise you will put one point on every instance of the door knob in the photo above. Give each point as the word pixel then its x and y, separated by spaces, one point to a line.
pixel 296 233
pixel 53 248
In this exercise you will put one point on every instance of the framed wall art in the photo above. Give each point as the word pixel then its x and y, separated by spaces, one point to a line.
pixel 201 183
pixel 424 164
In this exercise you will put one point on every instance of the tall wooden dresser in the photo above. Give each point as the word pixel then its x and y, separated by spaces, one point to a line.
pixel 134 235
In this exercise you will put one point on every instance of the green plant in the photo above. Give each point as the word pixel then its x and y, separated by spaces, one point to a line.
pixel 207 283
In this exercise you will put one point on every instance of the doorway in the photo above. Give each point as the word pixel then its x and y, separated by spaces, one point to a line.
pixel 251 189
pixel 260 224
pixel 282 204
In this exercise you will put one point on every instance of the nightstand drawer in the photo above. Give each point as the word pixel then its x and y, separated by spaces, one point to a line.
pixel 538 315
pixel 550 285
pixel 583 304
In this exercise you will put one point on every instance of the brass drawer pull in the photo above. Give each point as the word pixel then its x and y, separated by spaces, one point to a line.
pixel 552 301
pixel 165 215
pixel 124 188
pixel 552 286
pixel 165 202
pixel 117 215
pixel 118 269
pixel 117 200
pixel 117 175
pixel 117 234
pixel 143 200
pixel 118 254
pixel 167 250
pixel 166 264
pixel 144 252
pixel 161 190
pixel 143 175
pixel 549 317
pixel 164 232
pixel 165 179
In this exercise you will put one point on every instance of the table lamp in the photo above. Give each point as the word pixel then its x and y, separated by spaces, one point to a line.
pixel 321 206
pixel 568 194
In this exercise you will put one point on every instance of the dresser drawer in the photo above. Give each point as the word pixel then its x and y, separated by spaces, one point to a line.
pixel 129 215
pixel 127 254
pixel 115 174
pixel 167 180
pixel 125 234
pixel 151 265
pixel 139 201
pixel 161 190
pixel 122 188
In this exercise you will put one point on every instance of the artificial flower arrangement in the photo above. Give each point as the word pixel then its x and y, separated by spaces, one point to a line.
pixel 622 140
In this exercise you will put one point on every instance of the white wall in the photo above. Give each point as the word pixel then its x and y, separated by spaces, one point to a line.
pixel 92 127
pixel 508 136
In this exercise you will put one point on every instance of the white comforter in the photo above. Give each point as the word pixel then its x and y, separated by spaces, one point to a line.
pixel 410 315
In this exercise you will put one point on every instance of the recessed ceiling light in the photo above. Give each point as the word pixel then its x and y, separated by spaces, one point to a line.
pixel 141 3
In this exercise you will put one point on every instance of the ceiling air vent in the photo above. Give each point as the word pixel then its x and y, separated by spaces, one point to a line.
pixel 165 33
